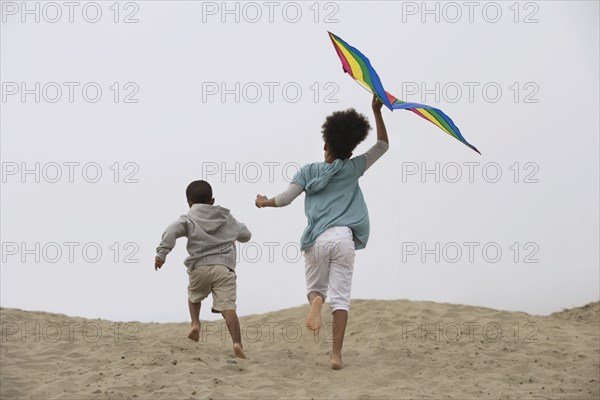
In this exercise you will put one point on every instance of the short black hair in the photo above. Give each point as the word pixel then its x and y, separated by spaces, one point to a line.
pixel 343 131
pixel 199 192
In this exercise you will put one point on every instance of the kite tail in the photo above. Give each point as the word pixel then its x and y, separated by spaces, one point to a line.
pixel 433 115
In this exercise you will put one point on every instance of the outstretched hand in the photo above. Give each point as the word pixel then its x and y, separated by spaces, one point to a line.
pixel 260 200
pixel 381 130
pixel 376 104
pixel 158 263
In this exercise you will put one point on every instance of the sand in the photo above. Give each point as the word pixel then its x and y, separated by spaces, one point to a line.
pixel 388 355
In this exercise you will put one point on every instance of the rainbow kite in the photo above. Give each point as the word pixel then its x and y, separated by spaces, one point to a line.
pixel 359 67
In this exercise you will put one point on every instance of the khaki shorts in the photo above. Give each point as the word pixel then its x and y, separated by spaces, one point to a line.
pixel 216 279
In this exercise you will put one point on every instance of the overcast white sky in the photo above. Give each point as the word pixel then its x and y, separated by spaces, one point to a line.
pixel 238 98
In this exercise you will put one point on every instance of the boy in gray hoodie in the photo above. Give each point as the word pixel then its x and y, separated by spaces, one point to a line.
pixel 211 232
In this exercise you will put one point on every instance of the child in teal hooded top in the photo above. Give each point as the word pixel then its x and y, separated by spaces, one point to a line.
pixel 338 219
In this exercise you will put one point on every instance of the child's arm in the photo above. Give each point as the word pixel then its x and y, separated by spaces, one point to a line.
pixel 176 230
pixel 281 200
pixel 382 144
pixel 264 201
pixel 376 104
pixel 244 233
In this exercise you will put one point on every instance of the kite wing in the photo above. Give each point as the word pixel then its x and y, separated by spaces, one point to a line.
pixel 359 67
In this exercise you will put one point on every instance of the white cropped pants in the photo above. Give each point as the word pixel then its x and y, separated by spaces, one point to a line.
pixel 329 265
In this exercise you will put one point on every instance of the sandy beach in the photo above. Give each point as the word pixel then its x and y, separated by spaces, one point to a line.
pixel 393 350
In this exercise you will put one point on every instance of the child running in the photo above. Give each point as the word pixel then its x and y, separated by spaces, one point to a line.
pixel 338 220
pixel 211 232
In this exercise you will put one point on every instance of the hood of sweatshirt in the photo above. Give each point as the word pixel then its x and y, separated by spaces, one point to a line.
pixel 319 182
pixel 210 218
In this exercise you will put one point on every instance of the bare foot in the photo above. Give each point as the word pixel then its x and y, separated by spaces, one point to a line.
pixel 239 352
pixel 194 333
pixel 336 362
pixel 313 321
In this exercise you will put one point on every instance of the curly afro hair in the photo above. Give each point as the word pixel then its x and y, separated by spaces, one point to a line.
pixel 343 131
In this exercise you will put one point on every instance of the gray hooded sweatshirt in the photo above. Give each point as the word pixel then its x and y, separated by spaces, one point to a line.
pixel 211 232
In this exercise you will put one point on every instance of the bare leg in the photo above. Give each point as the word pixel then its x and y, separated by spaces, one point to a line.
pixel 313 321
pixel 340 319
pixel 195 314
pixel 233 325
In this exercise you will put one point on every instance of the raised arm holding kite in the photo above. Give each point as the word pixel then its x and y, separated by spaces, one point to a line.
pixel 359 67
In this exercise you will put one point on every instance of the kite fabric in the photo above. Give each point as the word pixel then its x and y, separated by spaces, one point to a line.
pixel 359 67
